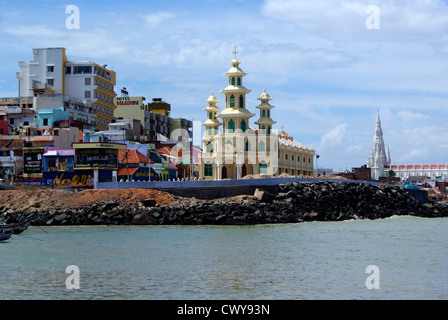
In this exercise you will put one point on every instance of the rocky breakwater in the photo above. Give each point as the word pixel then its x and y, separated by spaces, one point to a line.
pixel 292 203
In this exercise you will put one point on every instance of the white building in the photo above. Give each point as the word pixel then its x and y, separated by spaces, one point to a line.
pixel 50 72
pixel 429 171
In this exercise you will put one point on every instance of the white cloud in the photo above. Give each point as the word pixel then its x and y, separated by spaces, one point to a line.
pixel 401 20
pixel 334 137
pixel 153 20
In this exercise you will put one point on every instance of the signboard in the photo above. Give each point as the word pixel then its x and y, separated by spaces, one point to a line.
pixel 96 156
pixel 129 101
pixel 33 162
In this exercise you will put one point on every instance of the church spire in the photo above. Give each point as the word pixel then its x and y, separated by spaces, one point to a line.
pixel 265 122
pixel 378 158
pixel 235 116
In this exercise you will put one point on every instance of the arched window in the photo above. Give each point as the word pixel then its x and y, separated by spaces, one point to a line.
pixel 263 129
pixel 209 131
pixel 269 113
pixel 247 148
pixel 269 130
pixel 239 81
pixel 231 126
pixel 232 101
pixel 233 81
pixel 241 101
pixel 208 170
pixel 262 168
pixel 263 114
pixel 261 146
pixel 210 115
pixel 243 125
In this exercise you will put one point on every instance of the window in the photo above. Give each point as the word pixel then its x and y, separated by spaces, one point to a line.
pixel 208 170
pixel 243 125
pixel 88 81
pixel 68 70
pixel 263 114
pixel 45 122
pixel 261 146
pixel 263 168
pixel 82 69
pixel 210 115
pixel 231 126
pixel 247 146
pixel 269 130
pixel 209 147
pixel 269 113
pixel 233 81
pixel 239 81
pixel 241 101
pixel 50 82
pixel 87 94
pixel 232 101
pixel 50 68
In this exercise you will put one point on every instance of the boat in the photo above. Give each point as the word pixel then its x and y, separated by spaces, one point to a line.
pixel 14 228
pixel 5 235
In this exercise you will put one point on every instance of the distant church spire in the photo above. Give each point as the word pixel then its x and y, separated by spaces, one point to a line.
pixel 378 158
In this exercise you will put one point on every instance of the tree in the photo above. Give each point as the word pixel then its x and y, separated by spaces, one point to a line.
pixel 391 174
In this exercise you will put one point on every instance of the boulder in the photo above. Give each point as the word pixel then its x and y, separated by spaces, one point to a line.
pixel 264 196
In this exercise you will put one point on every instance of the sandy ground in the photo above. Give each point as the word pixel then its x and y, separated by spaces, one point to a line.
pixel 44 199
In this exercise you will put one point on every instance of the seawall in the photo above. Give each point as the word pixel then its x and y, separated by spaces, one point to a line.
pixel 208 190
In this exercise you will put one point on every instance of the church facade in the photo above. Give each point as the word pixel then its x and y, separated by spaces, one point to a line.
pixel 233 149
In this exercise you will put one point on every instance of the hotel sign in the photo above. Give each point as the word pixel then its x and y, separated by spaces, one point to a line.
pixel 129 101
pixel 97 156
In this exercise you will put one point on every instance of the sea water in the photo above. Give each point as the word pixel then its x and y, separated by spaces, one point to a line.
pixel 311 260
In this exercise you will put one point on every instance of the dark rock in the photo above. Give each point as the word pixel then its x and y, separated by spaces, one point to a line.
pixel 149 203
pixel 264 196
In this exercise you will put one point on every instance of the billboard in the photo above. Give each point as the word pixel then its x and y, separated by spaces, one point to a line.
pixel 33 162
pixel 96 156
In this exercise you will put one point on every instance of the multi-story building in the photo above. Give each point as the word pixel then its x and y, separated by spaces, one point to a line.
pixel 89 81
pixel 134 108
pixel 51 73
pixel 155 117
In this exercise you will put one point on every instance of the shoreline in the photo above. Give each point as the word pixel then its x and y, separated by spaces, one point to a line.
pixel 294 202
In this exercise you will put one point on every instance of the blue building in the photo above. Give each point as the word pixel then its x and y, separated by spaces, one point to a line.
pixel 47 117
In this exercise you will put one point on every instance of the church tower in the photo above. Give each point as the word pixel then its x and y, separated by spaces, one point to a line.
pixel 378 159
pixel 235 116
pixel 212 124
pixel 265 122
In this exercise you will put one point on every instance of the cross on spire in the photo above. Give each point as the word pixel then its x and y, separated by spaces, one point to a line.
pixel 235 52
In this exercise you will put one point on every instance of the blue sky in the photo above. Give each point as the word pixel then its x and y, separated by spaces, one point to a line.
pixel 328 74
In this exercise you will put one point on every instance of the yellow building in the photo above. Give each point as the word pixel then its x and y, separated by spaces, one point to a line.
pixel 239 150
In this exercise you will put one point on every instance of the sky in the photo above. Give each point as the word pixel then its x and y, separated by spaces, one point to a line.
pixel 330 66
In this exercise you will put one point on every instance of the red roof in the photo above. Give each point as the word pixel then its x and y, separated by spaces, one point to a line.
pixel 124 171
pixel 131 156
pixel 434 166
pixel 164 150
